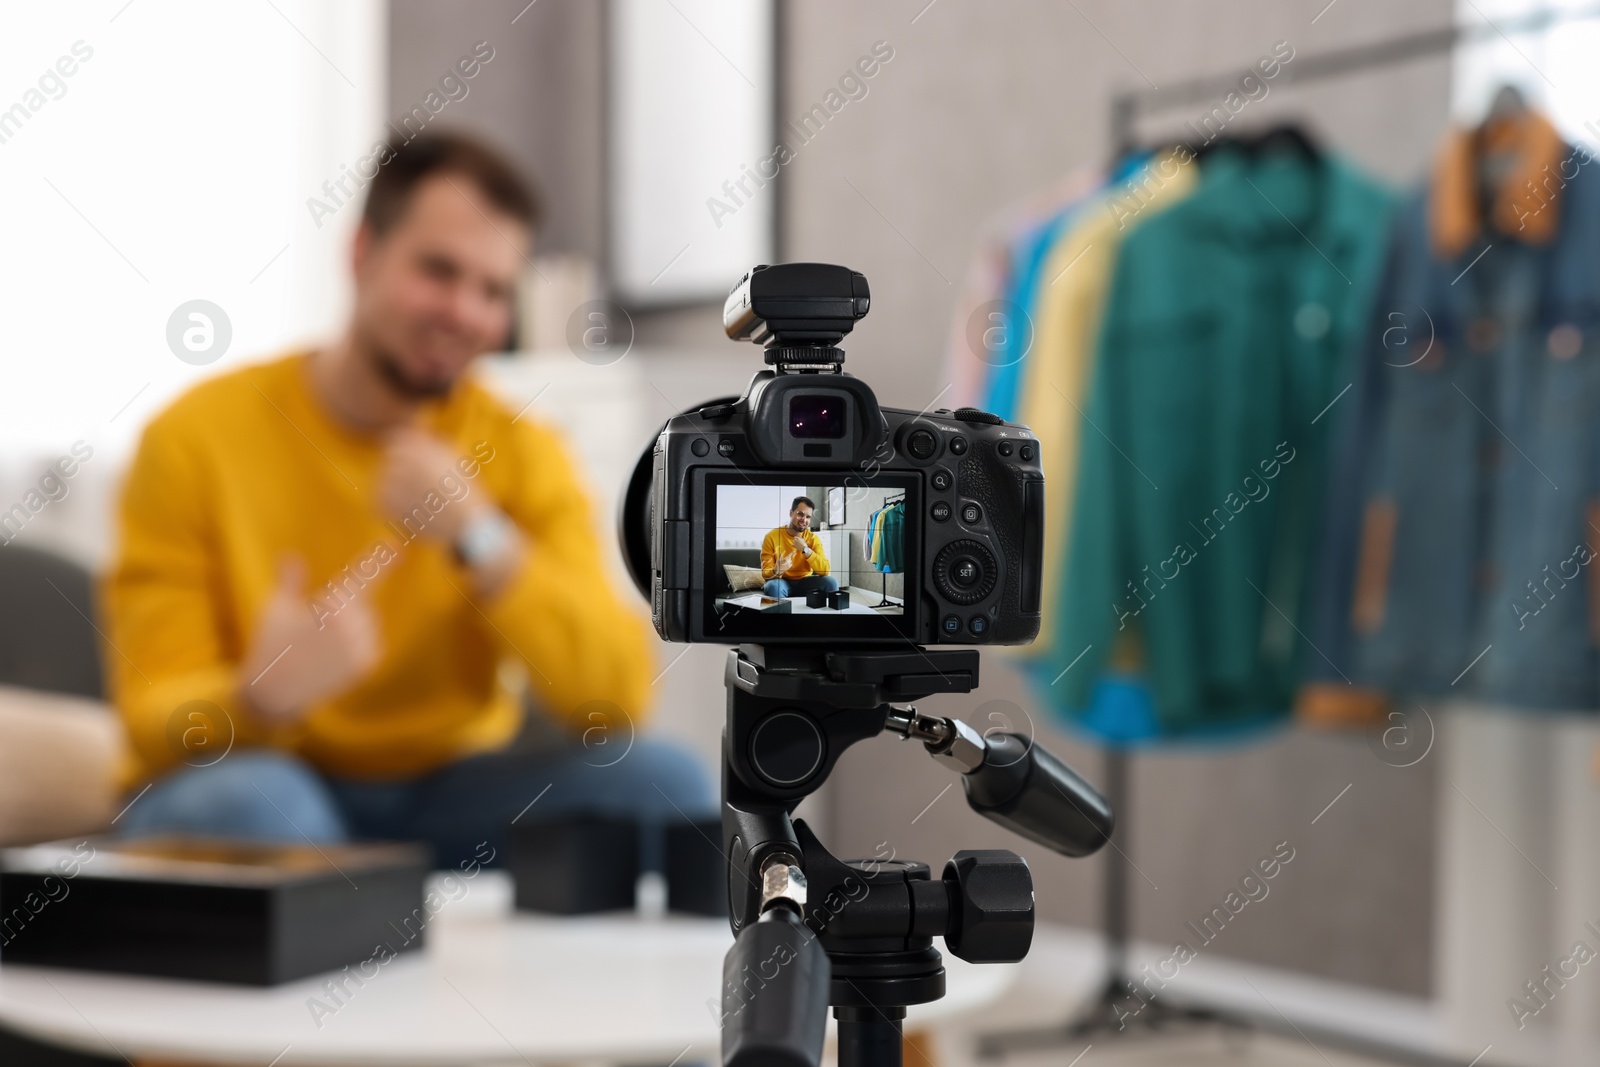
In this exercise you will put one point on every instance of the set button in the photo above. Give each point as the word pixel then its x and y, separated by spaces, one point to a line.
pixel 965 572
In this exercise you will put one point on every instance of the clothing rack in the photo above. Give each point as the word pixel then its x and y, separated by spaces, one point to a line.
pixel 884 601
pixel 1102 1016
pixel 1128 105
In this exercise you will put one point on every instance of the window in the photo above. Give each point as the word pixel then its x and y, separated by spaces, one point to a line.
pixel 173 163
pixel 1554 67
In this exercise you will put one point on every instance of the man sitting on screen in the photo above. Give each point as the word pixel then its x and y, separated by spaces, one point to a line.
pixel 792 560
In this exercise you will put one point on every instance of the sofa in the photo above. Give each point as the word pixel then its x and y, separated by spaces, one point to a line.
pixel 742 557
pixel 59 742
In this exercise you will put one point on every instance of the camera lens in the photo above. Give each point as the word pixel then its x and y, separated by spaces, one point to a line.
pixel 816 415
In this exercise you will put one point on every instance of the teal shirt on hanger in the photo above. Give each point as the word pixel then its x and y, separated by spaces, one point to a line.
pixel 1226 335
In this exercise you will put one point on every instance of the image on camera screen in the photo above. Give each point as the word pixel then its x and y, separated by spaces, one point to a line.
pixel 808 550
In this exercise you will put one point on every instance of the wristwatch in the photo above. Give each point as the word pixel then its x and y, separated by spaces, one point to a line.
pixel 486 535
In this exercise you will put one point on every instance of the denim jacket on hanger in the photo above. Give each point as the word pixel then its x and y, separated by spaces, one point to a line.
pixel 1461 551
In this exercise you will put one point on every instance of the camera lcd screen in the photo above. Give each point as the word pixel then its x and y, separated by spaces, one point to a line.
pixel 817 415
pixel 803 554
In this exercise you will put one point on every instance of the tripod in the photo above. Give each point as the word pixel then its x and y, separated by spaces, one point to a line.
pixel 812 930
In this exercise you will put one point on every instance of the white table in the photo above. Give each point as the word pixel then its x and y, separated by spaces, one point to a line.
pixel 490 988
pixel 797 605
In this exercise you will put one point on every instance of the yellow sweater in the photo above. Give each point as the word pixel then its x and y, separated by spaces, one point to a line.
pixel 247 468
pixel 780 542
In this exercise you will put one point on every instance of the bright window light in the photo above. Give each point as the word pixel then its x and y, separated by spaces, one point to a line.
pixel 157 153
pixel 1554 68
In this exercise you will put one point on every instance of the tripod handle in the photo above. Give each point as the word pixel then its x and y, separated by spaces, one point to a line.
pixel 774 994
pixel 1033 793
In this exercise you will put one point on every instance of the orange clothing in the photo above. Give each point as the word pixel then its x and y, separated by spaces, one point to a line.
pixel 1519 209
pixel 781 542
pixel 247 468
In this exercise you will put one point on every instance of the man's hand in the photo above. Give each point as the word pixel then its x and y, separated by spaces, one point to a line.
pixel 800 545
pixel 298 659
pixel 414 464
pixel 781 565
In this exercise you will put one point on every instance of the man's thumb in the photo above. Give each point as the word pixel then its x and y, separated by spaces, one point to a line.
pixel 291 576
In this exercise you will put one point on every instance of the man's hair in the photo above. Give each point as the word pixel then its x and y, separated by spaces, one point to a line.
pixel 456 154
pixel 807 501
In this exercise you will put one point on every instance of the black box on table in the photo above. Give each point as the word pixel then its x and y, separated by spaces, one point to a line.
pixel 697 872
pixel 575 864
pixel 210 910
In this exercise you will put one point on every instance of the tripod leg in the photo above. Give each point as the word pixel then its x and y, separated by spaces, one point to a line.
pixel 869 1037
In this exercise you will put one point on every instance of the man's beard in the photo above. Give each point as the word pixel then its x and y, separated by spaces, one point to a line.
pixel 393 371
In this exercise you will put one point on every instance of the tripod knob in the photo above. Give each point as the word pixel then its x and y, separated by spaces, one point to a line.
pixel 991 905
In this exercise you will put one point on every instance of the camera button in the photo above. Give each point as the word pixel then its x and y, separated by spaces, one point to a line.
pixel 979 625
pixel 942 481
pixel 725 447
pixel 1026 452
pixel 971 514
pixel 700 446
pixel 965 572
pixel 952 624
pixel 958 446
pixel 922 444
pixel 1004 448
pixel 940 511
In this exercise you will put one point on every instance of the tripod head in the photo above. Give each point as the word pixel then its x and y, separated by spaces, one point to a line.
pixel 812 930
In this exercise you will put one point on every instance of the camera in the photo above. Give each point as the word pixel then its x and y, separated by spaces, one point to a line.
pixel 915 526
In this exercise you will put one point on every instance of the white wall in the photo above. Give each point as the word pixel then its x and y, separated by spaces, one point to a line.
pixel 746 513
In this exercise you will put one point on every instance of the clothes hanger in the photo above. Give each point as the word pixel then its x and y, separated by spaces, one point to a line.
pixel 1289 136
pixel 1491 169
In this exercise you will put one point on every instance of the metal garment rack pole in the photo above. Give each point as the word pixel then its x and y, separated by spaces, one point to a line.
pixel 1103 1014
pixel 1128 105
pixel 884 600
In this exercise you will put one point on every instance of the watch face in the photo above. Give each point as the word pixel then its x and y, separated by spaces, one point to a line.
pixel 484 538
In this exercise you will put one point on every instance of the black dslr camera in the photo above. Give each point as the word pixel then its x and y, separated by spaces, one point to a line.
pixel 930 523
pixel 832 540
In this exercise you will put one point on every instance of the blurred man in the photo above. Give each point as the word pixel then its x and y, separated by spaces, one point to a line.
pixel 328 560
pixel 792 560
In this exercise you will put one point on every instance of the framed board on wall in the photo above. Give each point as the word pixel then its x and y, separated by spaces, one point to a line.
pixel 691 85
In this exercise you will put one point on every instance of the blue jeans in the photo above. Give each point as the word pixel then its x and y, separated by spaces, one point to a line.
pixel 265 795
pixel 782 587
